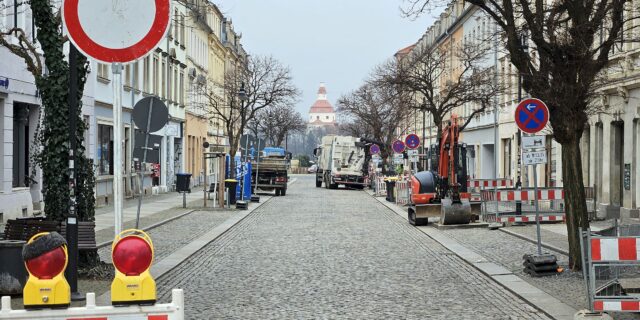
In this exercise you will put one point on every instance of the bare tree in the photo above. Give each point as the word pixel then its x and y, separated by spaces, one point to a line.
pixel 275 123
pixel 375 110
pixel 572 41
pixel 264 83
pixel 446 79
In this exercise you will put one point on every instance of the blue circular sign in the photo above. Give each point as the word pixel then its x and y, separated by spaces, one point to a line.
pixel 374 149
pixel 532 115
pixel 398 146
pixel 412 141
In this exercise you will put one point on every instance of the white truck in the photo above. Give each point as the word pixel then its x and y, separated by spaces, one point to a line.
pixel 340 162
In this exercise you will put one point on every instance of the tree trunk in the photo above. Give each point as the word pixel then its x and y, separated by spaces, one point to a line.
pixel 574 199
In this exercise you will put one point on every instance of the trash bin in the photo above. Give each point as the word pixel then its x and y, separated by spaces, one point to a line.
pixel 391 184
pixel 231 184
pixel 183 182
pixel 14 274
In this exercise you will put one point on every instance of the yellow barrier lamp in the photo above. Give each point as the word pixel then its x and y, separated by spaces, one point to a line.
pixel 45 257
pixel 132 254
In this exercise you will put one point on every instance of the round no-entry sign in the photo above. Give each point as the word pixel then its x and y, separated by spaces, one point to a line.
pixel 398 146
pixel 374 149
pixel 116 30
pixel 412 141
pixel 532 115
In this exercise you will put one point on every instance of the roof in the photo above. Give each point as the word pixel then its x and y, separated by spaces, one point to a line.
pixel 404 51
pixel 322 106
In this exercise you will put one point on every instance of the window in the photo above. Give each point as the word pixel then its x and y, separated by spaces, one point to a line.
pixel 127 75
pixel 103 71
pixel 317 117
pixel 146 85
pixel 175 85
pixel 181 88
pixel 170 89
pixel 327 117
pixel 506 160
pixel 155 74
pixel 163 80
pixel 136 77
pixel 175 25
pixel 105 149
pixel 181 29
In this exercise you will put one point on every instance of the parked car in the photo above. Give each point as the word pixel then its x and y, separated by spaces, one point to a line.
pixel 312 169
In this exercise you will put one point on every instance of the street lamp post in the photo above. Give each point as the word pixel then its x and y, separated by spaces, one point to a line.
pixel 242 96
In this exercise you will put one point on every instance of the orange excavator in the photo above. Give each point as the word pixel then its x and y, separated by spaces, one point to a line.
pixel 443 192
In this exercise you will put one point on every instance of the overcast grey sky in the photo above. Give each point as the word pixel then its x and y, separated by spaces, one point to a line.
pixel 333 41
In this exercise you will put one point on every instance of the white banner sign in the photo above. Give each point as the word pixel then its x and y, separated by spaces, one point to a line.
pixel 534 157
pixel 533 142
pixel 413 152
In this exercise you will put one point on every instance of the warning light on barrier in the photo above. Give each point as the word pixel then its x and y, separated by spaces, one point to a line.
pixel 132 254
pixel 45 257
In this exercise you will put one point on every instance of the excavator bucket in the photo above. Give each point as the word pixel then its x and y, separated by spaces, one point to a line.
pixel 455 213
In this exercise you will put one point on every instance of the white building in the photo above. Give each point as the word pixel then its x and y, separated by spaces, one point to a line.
pixel 321 113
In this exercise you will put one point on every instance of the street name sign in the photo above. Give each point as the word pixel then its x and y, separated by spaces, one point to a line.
pixel 116 31
pixel 533 142
pixel 412 141
pixel 534 157
pixel 532 115
pixel 398 146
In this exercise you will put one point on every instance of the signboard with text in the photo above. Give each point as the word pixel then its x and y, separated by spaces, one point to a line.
pixel 534 157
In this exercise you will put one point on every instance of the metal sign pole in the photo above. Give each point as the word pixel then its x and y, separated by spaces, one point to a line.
pixel 535 189
pixel 72 220
pixel 145 148
pixel 117 146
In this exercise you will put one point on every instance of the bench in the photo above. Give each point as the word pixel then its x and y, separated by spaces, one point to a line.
pixel 24 229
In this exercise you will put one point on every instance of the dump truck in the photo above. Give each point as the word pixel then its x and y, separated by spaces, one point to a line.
pixel 340 160
pixel 442 192
pixel 270 170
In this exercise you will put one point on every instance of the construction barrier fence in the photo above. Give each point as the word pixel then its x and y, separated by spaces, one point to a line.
pixel 476 186
pixel 380 188
pixel 611 260
pixel 403 191
pixel 169 311
pixel 502 205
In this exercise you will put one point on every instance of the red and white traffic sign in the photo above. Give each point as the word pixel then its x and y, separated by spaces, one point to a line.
pixel 116 31
pixel 412 141
pixel 532 115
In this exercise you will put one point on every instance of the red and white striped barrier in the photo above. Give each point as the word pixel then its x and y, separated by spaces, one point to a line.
pixel 615 249
pixel 381 187
pixel 616 305
pixel 168 311
pixel 403 192
pixel 522 195
pixel 528 218
pixel 489 183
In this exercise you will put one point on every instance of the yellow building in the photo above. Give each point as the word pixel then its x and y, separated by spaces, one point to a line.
pixel 198 104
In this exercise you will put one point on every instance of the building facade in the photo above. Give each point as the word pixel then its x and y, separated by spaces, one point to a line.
pixel 610 148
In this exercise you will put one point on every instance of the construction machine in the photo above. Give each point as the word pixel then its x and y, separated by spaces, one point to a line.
pixel 442 191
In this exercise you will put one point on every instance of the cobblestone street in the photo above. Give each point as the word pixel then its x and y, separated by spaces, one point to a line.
pixel 319 253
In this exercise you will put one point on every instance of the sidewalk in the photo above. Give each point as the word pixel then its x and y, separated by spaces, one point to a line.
pixel 499 255
pixel 150 206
